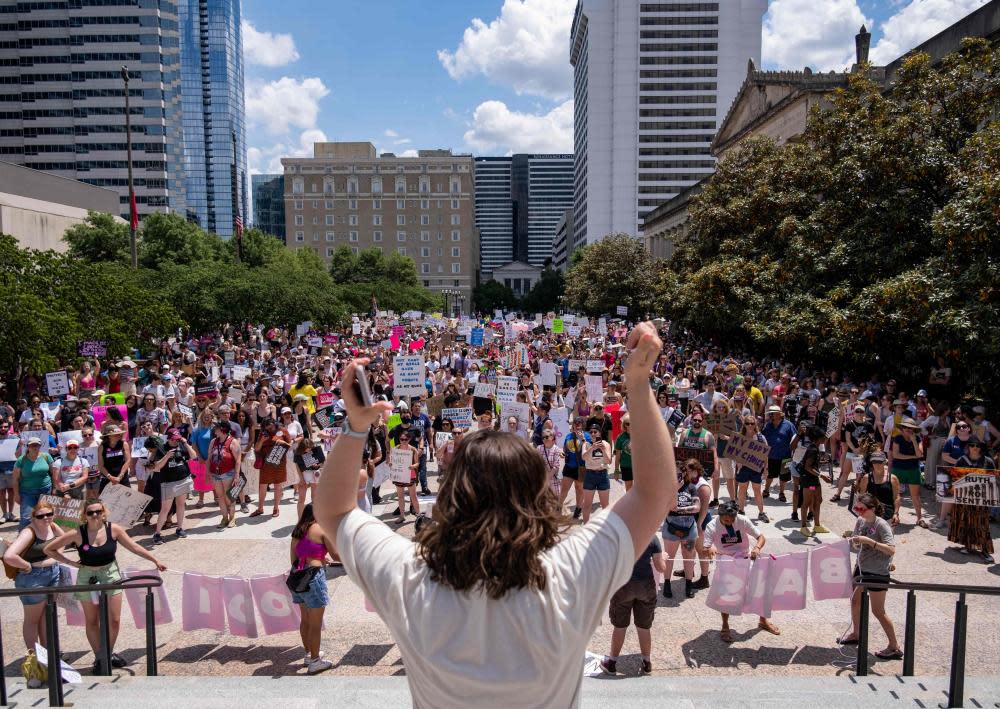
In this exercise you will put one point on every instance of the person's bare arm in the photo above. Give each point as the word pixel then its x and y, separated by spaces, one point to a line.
pixel 337 493
pixel 654 487
pixel 122 537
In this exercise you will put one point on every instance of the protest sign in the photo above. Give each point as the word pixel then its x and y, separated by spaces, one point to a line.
pixel 8 449
pixel 116 398
pixel 229 357
pixel 722 424
pixel 484 390
pixel 622 310
pixel 325 398
pixel 57 383
pixel 728 589
pixel 240 372
pixel 68 512
pixel 747 452
pixel 185 410
pixel 440 438
pixel 702 455
pixel 460 417
pixel 208 390
pixel 573 330
pixel 560 423
pixel 100 413
pixel 433 406
pixel 595 388
pixel 595 366
pixel 408 375
pixel 92 348
pixel 830 571
pixel 51 408
pixel 558 327
pixel 506 389
pixel 124 504
pixel 576 364
pixel 968 486
pixel 602 327
pixel 833 422
pixel 519 411
pixel 276 456
pixel 476 337
pixel 399 465
pixel 356 328
pixel 139 447
pixel 548 373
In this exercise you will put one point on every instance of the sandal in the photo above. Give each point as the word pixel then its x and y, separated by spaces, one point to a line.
pixel 847 641
pixel 888 654
pixel 922 523
pixel 275 513
pixel 257 512
pixel 835 498
pixel 769 627
pixel 726 636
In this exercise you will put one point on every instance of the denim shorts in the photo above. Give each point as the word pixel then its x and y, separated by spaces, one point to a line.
pixel 596 480
pixel 747 475
pixel 38 577
pixel 224 478
pixel 687 542
pixel 317 595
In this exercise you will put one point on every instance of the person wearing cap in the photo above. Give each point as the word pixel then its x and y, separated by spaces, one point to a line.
pixel 729 535
pixel 779 433
pixel 970 524
pixel 907 452
pixel 33 477
pixel 597 458
pixel 73 472
pixel 878 481
pixel 857 431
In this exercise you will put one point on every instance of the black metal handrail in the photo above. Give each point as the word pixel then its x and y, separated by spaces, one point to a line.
pixel 52 628
pixel 956 681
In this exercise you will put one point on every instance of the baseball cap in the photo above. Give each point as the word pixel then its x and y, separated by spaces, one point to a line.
pixel 72 443
pixel 285 410
pixel 922 392
pixel 859 409
pixel 34 441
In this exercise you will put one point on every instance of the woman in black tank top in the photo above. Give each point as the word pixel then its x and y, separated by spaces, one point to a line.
pixel 97 542
pixel 881 483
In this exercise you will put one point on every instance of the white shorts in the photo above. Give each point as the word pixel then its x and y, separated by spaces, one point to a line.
pixel 727 468
pixel 141 474
pixel 855 462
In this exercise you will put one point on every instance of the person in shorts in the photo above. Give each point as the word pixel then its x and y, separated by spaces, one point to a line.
pixel 636 600
pixel 623 454
pixel 573 455
pixel 597 458
pixel 748 477
pixel 779 434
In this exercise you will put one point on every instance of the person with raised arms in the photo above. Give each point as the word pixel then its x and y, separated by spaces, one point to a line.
pixel 490 604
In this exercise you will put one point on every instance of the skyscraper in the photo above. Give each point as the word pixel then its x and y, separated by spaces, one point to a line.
pixel 519 202
pixel 651 83
pixel 62 98
pixel 213 113
pixel 269 204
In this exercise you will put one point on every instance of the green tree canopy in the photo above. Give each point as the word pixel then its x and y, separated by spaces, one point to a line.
pixel 546 294
pixel 493 295
pixel 100 237
pixel 614 271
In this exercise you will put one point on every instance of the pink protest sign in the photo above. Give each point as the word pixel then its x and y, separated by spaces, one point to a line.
pixel 136 598
pixel 394 342
pixel 239 607
pixel 729 584
pixel 758 600
pixel 274 603
pixel 399 331
pixel 830 571
pixel 202 605
pixel 100 413
pixel 325 398
pixel 417 345
pixel 200 474
pixel 74 611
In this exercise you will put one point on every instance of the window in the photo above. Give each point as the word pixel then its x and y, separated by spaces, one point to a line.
pixel 425 219
pixel 352 219
pixel 425 236
pixel 425 204
pixel 401 250
pixel 425 185
pixel 352 204
pixel 300 236
pixel 400 185
pixel 400 204
pixel 456 185
pixel 425 268
pixel 315 204
pixel 440 268
pixel 328 187
pixel 329 252
pixel 315 220
pixel 400 236
pixel 456 251
pixel 454 204
pixel 298 204
pixel 329 204
pixel 456 268
pixel 299 220
pixel 352 185
pixel 354 250
pixel 425 252
pixel 456 219
pixel 400 220
pixel 456 236
pixel 329 220
pixel 376 220
pixel 330 236
pixel 354 236
pixel 298 186
pixel 315 236
pixel 376 236
pixel 377 186
pixel 376 204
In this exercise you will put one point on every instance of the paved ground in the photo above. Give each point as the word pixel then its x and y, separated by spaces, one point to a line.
pixel 686 641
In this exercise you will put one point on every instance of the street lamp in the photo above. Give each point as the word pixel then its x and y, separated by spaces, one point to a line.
pixel 133 213
pixel 449 292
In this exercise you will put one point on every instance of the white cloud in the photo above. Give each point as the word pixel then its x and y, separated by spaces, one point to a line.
pixel 526 48
pixel 267 49
pixel 820 35
pixel 497 129
pixel 402 141
pixel 917 22
pixel 390 133
pixel 285 104
pixel 268 159
pixel 408 154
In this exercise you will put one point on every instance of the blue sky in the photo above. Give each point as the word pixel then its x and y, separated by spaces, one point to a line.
pixel 486 76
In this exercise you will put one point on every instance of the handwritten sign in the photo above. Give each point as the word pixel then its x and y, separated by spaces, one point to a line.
pixel 968 486
pixel 440 438
pixel 702 455
pixel 408 375
pixel 558 327
pixel 460 417
pixel 595 387
pixel 721 424
pixel 399 466
pixel 68 512
pixel 434 405
pixel 57 383
pixel 484 390
pixel 622 310
pixel 548 373
pixel 240 372
pixel 576 364
pixel 595 366
pixel 747 452
pixel 506 389
pixel 229 357
pixel 92 348
pixel 124 504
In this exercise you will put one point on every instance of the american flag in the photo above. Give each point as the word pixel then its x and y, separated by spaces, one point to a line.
pixel 133 212
pixel 239 226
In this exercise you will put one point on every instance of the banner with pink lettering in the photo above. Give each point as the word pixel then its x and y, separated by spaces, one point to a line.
pixel 830 571
pixel 729 584
pixel 777 584
pixel 74 611
pixel 136 598
pixel 239 607
pixel 274 602
pixel 202 605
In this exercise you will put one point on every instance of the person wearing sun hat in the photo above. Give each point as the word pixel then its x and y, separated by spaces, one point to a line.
pixel 906 454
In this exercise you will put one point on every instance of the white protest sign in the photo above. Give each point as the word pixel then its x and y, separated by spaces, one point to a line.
pixel 622 310
pixel 595 366
pixel 484 390
pixel 382 473
pixel 506 389
pixel 548 372
pixel 399 465
pixel 595 388
pixel 356 328
pixel 575 364
pixel 67 436
pixel 461 418
pixel 124 504
pixel 833 422
pixel 185 410
pixel 8 449
pixel 573 330
pixel 236 395
pixel 50 409
pixel 560 423
pixel 408 375
pixel 57 383
pixel 519 411
pixel 139 447
pixel 240 372
pixel 602 327
pixel 440 438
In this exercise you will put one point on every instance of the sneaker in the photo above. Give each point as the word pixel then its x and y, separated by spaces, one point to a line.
pixel 609 666
pixel 158 539
pixel 577 513
pixel 782 498
pixel 646 668
pixel 667 592
pixel 117 660
pixel 987 557
pixel 244 508
pixel 714 503
pixel 318 665
pixel 700 583
pixel 820 529
pixel 232 522
pixel 795 517
pixel 181 533
pixel 762 517
pixel 307 658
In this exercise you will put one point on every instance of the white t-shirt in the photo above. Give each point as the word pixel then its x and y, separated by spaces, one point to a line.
pixel 464 649
pixel 731 544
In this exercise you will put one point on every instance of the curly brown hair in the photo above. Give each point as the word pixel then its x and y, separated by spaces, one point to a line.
pixel 495 514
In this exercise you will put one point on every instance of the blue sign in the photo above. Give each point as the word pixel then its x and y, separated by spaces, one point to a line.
pixel 476 338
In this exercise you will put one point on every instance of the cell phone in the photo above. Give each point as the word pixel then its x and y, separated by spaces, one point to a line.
pixel 361 388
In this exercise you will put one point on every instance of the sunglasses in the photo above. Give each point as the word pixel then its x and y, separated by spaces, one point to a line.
pixel 860 509
pixel 94 513
pixel 45 515
pixel 962 428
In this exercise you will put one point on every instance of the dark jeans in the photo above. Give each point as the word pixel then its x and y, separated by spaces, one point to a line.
pixel 29 498
pixel 422 472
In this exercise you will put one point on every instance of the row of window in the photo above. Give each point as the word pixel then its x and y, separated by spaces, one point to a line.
pixel 376 204
pixel 679 7
pixel 352 185
pixel 352 220
pixel 401 236
pixel 678 34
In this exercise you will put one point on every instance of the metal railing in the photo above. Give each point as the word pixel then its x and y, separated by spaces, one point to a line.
pixel 956 682
pixel 54 668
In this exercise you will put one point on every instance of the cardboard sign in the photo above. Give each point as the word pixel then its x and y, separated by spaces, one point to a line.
pixel 519 411
pixel 240 372
pixel 67 436
pixel 92 348
pixel 576 364
pixel 8 449
pixel 124 504
pixel 506 389
pixel 440 438
pixel 484 390
pixel 408 375
pixel 595 388
pixel 548 373
pixel 622 310
pixel 747 452
pixel 460 417
pixel 434 405
pixel 57 383
pixel 702 455
pixel 595 366
pixel 399 465
pixel 573 330
pixel 721 424
pixel 968 486
pixel 68 512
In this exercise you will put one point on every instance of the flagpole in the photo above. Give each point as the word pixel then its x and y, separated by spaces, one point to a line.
pixel 133 216
pixel 237 217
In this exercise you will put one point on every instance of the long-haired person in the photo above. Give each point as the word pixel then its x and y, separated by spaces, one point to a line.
pixel 308 552
pixel 680 529
pixel 97 542
pixel 36 570
pixel 489 604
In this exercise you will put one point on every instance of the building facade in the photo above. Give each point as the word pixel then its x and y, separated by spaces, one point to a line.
pixel 422 208
pixel 213 113
pixel 519 276
pixel 562 240
pixel 269 204
pixel 652 81
pixel 62 97
pixel 519 202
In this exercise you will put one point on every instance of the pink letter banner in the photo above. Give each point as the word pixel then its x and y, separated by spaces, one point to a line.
pixel 777 584
pixel 729 585
pixel 239 607
pixel 202 605
pixel 830 571
pixel 136 598
pixel 274 602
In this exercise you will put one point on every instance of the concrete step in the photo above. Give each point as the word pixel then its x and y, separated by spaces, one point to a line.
pixel 744 691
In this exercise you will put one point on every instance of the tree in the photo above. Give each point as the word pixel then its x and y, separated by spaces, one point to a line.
pixel 259 248
pixel 393 279
pixel 614 271
pixel 493 295
pixel 100 237
pixel 169 239
pixel 546 294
